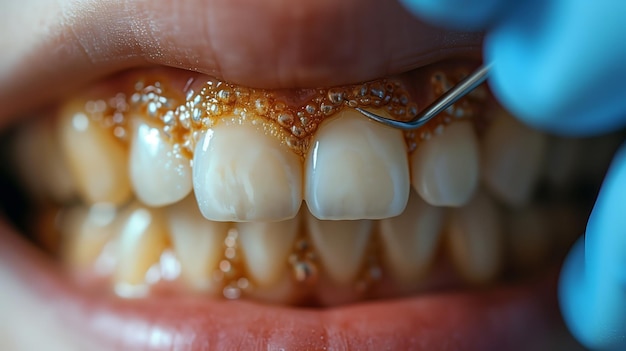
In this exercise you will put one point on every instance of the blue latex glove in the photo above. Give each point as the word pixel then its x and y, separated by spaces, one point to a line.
pixel 560 65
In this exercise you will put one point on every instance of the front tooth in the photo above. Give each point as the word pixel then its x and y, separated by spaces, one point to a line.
pixel 242 174
pixel 512 155
pixel 356 169
pixel 410 240
pixel 266 247
pixel 340 245
pixel 475 239
pixel 198 242
pixel 445 168
pixel 97 161
pixel 159 175
pixel 140 243
pixel 529 239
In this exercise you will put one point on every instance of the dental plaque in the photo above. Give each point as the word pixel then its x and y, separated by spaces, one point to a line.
pixel 157 184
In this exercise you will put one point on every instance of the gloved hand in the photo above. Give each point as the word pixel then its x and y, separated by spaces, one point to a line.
pixel 560 65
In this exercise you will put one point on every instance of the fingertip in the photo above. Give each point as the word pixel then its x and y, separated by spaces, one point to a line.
pixel 457 14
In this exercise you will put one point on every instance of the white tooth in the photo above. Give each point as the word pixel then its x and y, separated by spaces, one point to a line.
pixel 445 168
pixel 141 241
pixel 529 238
pixel 40 162
pixel 340 245
pixel 266 247
pixel 356 169
pixel 475 239
pixel 159 175
pixel 198 242
pixel 241 174
pixel 410 241
pixel 97 161
pixel 513 156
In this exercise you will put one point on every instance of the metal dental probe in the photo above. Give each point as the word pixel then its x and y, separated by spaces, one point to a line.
pixel 443 102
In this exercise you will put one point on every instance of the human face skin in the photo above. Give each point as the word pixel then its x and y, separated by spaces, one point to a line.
pixel 54 48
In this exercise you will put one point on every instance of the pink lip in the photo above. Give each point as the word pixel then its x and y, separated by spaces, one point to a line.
pixel 515 317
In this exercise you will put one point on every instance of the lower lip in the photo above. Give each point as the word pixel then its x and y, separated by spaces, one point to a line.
pixel 500 318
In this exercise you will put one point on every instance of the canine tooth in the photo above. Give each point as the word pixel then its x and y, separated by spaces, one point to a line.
pixel 141 240
pixel 159 175
pixel 410 240
pixel 475 239
pixel 340 245
pixel 356 169
pixel 40 162
pixel 266 247
pixel 528 238
pixel 445 168
pixel 97 161
pixel 241 174
pixel 513 156
pixel 198 242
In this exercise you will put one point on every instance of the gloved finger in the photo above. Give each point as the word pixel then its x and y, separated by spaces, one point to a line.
pixel 592 289
pixel 459 14
pixel 560 65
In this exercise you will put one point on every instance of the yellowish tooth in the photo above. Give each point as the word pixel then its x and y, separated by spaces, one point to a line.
pixel 356 169
pixel 266 247
pixel 410 241
pixel 40 162
pixel 198 243
pixel 529 238
pixel 340 245
pixel 97 161
pixel 141 240
pixel 445 168
pixel 241 174
pixel 86 231
pixel 512 159
pixel 475 239
pixel 159 174
pixel 562 161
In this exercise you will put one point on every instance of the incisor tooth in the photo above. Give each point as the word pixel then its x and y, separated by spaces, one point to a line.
pixel 140 243
pixel 159 175
pixel 198 242
pixel 513 156
pixel 241 174
pixel 444 169
pixel 97 161
pixel 410 240
pixel 528 238
pixel 475 239
pixel 340 245
pixel 356 169
pixel 266 247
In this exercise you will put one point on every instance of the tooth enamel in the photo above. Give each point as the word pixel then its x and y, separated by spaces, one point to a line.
pixel 198 242
pixel 340 245
pixel 266 247
pixel 356 169
pixel 242 174
pixel 513 156
pixel 445 168
pixel 159 175
pixel 410 240
pixel 475 239
pixel 528 238
pixel 97 161
pixel 141 240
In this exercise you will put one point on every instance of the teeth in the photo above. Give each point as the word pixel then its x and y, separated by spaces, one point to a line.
pixel 340 245
pixel 97 161
pixel 529 238
pixel 41 164
pixel 241 174
pixel 513 156
pixel 445 168
pixel 475 239
pixel 198 242
pixel 410 240
pixel 266 247
pixel 356 169
pixel 141 241
pixel 562 160
pixel 159 175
